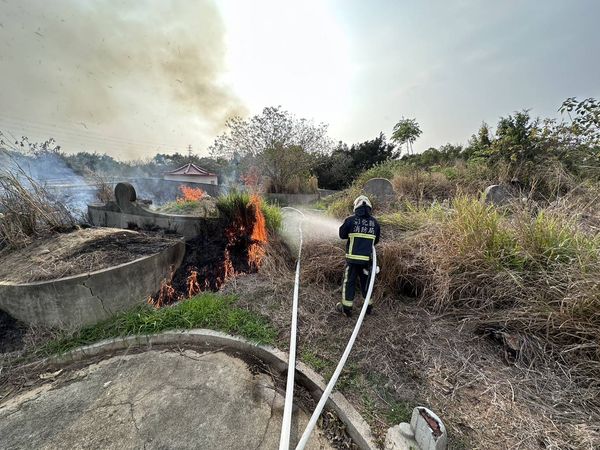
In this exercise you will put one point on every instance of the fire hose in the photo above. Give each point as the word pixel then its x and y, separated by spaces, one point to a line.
pixel 338 370
pixel 284 440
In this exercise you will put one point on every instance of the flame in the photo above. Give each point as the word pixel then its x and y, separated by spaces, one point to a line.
pixel 245 237
pixel 190 194
pixel 192 283
pixel 256 251
pixel 166 293
pixel 228 269
pixel 165 296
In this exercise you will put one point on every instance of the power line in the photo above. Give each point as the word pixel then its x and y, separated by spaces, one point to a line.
pixel 88 144
pixel 52 128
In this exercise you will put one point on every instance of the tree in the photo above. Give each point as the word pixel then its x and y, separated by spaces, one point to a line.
pixel 369 153
pixel 334 171
pixel 585 119
pixel 338 170
pixel 406 131
pixel 273 127
pixel 287 169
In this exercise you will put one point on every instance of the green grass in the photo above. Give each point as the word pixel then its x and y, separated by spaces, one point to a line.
pixel 207 310
pixel 233 203
pixel 236 203
pixel 398 412
pixel 319 364
pixel 273 216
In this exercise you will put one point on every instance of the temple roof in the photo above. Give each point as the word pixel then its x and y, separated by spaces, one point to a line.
pixel 191 169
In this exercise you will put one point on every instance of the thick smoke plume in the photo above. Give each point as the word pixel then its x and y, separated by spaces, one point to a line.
pixel 142 63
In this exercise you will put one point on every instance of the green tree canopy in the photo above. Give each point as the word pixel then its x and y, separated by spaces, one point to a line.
pixel 274 127
pixel 406 131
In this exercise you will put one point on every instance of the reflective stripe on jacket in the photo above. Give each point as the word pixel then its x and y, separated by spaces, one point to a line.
pixel 362 231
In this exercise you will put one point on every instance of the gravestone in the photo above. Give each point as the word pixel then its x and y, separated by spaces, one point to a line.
pixel 125 195
pixel 380 188
pixel 497 194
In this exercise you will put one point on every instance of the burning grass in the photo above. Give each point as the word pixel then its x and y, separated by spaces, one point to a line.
pixel 190 194
pixel 210 261
pixel 193 202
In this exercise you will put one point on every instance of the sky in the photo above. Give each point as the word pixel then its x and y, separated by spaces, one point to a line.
pixel 133 78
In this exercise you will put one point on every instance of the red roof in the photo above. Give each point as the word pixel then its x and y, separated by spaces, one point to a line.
pixel 191 169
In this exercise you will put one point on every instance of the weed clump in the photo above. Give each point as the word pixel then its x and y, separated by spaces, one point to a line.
pixel 237 204
pixel 28 211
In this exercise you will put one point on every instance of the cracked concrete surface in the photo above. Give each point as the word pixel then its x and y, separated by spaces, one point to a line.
pixel 156 399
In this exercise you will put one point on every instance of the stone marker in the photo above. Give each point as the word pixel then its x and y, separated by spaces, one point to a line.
pixel 380 188
pixel 125 195
pixel 497 194
pixel 426 431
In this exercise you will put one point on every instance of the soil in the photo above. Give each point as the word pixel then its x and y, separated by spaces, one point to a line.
pixel 12 333
pixel 77 252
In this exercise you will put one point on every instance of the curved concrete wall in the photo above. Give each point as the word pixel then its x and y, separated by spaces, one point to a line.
pixel 85 299
pixel 186 226
pixel 292 199
pixel 356 426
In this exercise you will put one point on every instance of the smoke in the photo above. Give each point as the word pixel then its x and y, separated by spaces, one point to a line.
pixel 51 172
pixel 153 66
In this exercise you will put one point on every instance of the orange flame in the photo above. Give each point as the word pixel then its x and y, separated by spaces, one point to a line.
pixel 192 283
pixel 256 251
pixel 190 194
pixel 166 293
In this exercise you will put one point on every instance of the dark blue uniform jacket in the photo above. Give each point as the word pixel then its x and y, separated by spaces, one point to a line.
pixel 362 231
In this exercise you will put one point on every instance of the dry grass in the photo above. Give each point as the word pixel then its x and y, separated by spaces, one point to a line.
pixel 28 211
pixel 423 186
pixel 104 188
pixel 406 356
pixel 492 318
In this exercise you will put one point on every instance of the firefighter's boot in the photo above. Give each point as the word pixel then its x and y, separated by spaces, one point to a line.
pixel 346 310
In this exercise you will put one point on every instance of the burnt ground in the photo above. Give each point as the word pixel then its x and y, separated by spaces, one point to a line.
pixel 12 333
pixel 406 356
pixel 207 257
pixel 77 252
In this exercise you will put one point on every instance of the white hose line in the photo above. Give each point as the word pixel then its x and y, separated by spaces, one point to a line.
pixel 286 426
pixel 340 366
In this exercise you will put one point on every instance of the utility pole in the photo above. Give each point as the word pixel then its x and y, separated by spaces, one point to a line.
pixel 190 151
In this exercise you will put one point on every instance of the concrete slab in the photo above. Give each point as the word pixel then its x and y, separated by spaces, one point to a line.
pixel 156 399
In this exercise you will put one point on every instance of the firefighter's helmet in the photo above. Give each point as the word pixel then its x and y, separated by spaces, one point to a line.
pixel 362 200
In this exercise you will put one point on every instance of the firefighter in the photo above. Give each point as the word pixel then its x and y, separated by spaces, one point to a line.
pixel 362 231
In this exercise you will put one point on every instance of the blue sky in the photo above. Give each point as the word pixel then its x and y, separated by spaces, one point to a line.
pixel 453 64
pixel 135 77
